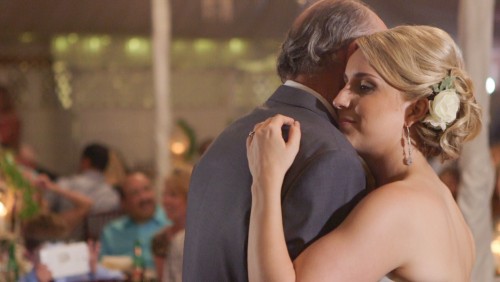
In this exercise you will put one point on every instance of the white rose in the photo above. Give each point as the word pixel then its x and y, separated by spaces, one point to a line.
pixel 443 109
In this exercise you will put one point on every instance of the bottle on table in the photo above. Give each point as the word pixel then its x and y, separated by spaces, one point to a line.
pixel 138 263
pixel 12 264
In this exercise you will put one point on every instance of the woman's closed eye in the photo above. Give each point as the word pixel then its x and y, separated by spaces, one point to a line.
pixel 365 87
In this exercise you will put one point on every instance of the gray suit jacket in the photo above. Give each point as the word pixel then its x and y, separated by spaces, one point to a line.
pixel 325 181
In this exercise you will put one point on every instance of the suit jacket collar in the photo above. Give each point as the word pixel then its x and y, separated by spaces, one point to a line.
pixel 299 98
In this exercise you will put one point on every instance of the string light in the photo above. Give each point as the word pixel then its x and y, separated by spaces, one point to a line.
pixel 490 85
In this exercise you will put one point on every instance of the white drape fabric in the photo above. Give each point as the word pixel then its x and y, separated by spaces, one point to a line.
pixel 161 23
pixel 475 28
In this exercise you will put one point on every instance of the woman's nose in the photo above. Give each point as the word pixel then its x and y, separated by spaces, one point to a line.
pixel 342 100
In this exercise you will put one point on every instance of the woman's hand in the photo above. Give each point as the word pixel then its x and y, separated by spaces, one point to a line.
pixel 43 182
pixel 269 156
pixel 43 273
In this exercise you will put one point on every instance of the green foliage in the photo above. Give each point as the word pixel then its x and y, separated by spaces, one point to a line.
pixel 191 135
pixel 15 180
pixel 445 84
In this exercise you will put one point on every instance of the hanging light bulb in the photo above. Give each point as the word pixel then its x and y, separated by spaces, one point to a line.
pixel 490 85
pixel 3 209
pixel 3 215
pixel 179 142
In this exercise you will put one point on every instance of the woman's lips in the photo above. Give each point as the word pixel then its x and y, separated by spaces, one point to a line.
pixel 346 120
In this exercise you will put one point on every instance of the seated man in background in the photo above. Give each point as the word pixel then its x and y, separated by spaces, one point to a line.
pixel 90 181
pixel 142 220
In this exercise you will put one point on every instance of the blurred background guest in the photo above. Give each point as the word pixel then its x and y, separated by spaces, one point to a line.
pixel 41 272
pixel 10 124
pixel 62 223
pixel 142 219
pixel 48 229
pixel 90 181
pixel 495 156
pixel 168 244
pixel 10 135
pixel 450 176
pixel 116 169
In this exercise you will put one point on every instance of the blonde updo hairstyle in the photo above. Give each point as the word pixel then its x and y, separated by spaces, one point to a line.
pixel 414 58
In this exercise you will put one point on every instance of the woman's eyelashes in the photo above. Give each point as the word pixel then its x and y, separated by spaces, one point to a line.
pixel 362 86
pixel 366 87
pixel 359 84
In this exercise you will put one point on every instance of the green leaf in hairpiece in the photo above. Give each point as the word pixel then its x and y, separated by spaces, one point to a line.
pixel 435 88
pixel 447 83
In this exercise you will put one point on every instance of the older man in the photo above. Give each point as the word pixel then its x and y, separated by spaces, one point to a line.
pixel 326 179
pixel 142 220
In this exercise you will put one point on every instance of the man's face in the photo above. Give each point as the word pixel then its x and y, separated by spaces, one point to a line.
pixel 139 199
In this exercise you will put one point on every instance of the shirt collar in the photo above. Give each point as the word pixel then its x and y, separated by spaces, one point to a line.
pixel 158 217
pixel 93 173
pixel 318 96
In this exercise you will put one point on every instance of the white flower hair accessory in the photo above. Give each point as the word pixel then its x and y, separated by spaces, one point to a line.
pixel 445 105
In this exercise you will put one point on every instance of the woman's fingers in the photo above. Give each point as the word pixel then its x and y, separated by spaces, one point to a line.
pixel 269 155
pixel 279 120
pixel 294 135
pixel 271 127
pixel 252 133
pixel 269 137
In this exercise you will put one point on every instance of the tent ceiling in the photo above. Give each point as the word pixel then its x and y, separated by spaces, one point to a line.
pixel 251 18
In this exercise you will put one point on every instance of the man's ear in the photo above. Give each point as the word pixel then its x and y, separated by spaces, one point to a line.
pixel 416 111
pixel 342 55
pixel 352 48
pixel 85 163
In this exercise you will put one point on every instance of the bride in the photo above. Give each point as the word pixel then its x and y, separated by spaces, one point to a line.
pixel 406 98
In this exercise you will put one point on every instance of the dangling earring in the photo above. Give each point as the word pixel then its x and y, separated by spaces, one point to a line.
pixel 408 158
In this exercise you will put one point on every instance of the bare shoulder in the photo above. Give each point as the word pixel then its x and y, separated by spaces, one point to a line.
pixel 379 229
pixel 395 200
pixel 390 209
pixel 409 228
pixel 398 208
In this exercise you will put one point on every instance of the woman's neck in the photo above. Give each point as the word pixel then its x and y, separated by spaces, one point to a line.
pixel 391 167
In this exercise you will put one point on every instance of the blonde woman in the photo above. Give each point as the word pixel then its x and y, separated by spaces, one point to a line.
pixel 406 98
pixel 168 244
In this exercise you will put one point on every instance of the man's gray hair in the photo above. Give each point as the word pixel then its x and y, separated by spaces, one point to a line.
pixel 319 32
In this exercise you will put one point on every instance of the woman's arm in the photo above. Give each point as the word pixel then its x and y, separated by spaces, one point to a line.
pixel 81 203
pixel 373 240
pixel 269 158
pixel 381 234
pixel 268 258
